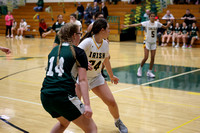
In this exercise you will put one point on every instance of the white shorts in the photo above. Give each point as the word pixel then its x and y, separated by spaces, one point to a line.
pixel 150 46
pixel 95 81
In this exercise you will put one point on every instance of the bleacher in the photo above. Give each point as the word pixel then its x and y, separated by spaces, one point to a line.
pixel 178 11
pixel 28 13
pixel 115 11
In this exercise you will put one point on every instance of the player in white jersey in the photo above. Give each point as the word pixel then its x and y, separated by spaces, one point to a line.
pixel 97 51
pixel 151 27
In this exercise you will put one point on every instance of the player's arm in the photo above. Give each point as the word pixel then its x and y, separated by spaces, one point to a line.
pixel 82 73
pixel 89 28
pixel 47 33
pixel 113 78
pixel 132 25
pixel 6 50
pixel 165 27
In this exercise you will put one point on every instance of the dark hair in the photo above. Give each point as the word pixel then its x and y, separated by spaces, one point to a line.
pixel 98 14
pixel 152 13
pixel 59 15
pixel 41 20
pixel 74 15
pixel 96 28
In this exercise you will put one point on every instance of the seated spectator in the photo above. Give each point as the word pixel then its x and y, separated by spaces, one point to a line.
pixel 194 34
pixel 189 18
pixel 80 10
pixel 176 34
pixel 146 15
pixel 22 28
pixel 97 16
pixel 88 13
pixel 184 34
pixel 98 1
pixel 168 34
pixel 75 21
pixel 95 9
pixel 104 10
pixel 168 16
pixel 14 26
pixel 159 32
pixel 39 6
pixel 42 27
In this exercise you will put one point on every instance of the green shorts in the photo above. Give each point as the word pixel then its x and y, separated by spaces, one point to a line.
pixel 70 107
pixel 57 40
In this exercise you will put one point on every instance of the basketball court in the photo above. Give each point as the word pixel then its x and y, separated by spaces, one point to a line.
pixel 169 103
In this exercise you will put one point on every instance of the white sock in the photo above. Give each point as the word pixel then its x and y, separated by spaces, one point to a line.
pixel 149 70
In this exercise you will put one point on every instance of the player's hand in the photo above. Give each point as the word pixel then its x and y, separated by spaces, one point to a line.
pixel 124 26
pixel 44 35
pixel 88 112
pixel 6 50
pixel 90 66
pixel 114 80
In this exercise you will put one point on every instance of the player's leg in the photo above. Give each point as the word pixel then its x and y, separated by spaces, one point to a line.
pixel 61 125
pixel 146 55
pixel 174 36
pixel 192 41
pixel 149 73
pixel 87 125
pixel 184 41
pixel 103 91
pixel 168 39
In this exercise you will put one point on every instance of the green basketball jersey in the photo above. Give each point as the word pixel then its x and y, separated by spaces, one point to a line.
pixel 169 29
pixel 59 77
pixel 194 31
pixel 177 29
pixel 57 26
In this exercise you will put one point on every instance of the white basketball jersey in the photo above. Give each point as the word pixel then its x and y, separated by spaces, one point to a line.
pixel 96 54
pixel 151 30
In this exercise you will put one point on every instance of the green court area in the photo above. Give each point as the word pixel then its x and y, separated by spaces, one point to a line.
pixel 171 77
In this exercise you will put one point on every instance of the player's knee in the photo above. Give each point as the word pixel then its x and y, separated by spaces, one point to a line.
pixel 92 128
pixel 111 103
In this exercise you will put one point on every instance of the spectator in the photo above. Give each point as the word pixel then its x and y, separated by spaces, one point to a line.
pixel 168 16
pixel 95 9
pixel 194 34
pixel 176 34
pixel 146 15
pixel 8 18
pixel 6 50
pixel 159 32
pixel 39 6
pixel 42 27
pixel 97 16
pixel 168 34
pixel 14 26
pixel 88 13
pixel 104 10
pixel 189 18
pixel 80 10
pixel 98 1
pixel 22 28
pixel 184 34
pixel 75 21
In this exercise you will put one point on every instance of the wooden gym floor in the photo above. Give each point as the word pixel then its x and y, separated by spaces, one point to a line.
pixel 170 103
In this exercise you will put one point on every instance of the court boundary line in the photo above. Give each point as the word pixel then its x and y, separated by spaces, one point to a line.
pixel 183 124
pixel 19 72
pixel 144 84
